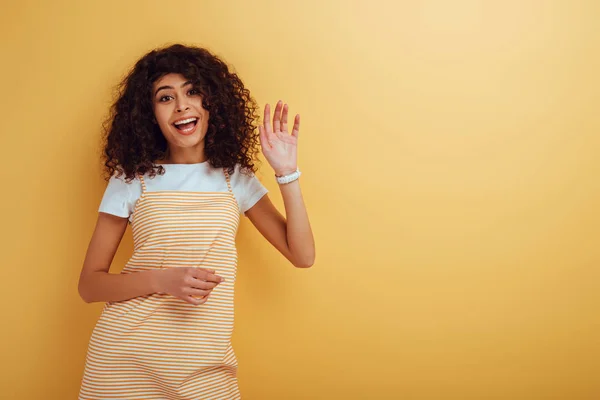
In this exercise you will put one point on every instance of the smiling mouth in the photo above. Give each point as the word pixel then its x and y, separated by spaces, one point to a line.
pixel 187 125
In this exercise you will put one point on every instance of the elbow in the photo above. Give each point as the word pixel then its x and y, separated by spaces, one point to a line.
pixel 83 292
pixel 84 296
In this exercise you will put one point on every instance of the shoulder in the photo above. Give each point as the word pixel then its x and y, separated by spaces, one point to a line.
pixel 120 196
pixel 118 184
pixel 247 187
pixel 241 173
pixel 245 178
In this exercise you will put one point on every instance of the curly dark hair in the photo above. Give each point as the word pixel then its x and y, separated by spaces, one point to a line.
pixel 133 142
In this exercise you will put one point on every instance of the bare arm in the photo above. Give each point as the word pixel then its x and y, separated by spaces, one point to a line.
pixel 95 282
pixel 190 284
pixel 292 237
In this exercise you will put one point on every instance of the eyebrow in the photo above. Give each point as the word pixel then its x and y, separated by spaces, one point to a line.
pixel 171 87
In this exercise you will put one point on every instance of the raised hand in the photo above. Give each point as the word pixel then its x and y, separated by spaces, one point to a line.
pixel 278 145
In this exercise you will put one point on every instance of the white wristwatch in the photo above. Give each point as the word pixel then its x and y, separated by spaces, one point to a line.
pixel 282 180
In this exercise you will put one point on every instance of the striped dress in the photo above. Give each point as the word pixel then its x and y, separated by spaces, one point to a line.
pixel 158 346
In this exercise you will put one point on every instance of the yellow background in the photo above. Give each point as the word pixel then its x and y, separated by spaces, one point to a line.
pixel 450 152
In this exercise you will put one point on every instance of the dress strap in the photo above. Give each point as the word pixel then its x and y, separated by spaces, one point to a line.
pixel 228 180
pixel 141 177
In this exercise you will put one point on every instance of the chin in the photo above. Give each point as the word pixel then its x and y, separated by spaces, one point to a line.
pixel 186 141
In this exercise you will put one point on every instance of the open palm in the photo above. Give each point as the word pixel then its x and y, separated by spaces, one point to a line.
pixel 278 145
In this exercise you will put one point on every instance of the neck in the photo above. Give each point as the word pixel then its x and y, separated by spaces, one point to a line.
pixel 184 156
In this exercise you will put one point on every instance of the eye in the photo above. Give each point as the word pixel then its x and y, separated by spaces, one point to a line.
pixel 193 92
pixel 162 99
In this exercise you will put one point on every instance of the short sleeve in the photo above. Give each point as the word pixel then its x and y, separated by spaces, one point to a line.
pixel 117 199
pixel 249 190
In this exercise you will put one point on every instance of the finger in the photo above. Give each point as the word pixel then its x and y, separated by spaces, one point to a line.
pixel 267 120
pixel 264 142
pixel 200 284
pixel 208 276
pixel 195 301
pixel 296 129
pixel 284 118
pixel 196 292
pixel 204 299
pixel 192 270
pixel 277 117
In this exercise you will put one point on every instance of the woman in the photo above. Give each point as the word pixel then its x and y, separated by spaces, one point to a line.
pixel 180 150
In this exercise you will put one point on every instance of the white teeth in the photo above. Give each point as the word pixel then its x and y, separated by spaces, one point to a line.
pixel 185 121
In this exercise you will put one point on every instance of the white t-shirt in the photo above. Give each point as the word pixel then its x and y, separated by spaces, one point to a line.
pixel 120 197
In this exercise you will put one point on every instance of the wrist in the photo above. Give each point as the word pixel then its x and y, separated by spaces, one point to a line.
pixel 155 281
pixel 288 177
pixel 285 171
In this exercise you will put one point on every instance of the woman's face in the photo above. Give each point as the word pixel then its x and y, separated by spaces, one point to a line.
pixel 179 112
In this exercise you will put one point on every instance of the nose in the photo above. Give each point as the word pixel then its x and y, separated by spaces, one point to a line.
pixel 181 106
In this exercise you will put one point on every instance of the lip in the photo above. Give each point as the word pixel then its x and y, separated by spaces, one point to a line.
pixel 185 117
pixel 191 131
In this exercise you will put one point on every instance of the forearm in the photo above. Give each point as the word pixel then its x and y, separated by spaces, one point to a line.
pixel 100 286
pixel 298 231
